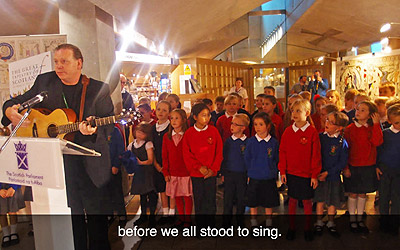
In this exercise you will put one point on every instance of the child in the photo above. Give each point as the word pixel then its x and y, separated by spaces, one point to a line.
pixel 325 110
pixel 363 136
pixel 241 110
pixel 224 122
pixel 174 100
pixel 334 153
pixel 117 146
pixel 261 157
pixel 143 180
pixel 179 185
pixel 259 104
pixel 270 90
pixel 287 120
pixel 300 164
pixel 388 172
pixel 349 105
pixel 360 98
pixel 11 200
pixel 202 153
pixel 159 130
pixel 215 114
pixel 209 103
pixel 147 116
pixel 334 98
pixel 381 105
pixel 163 96
pixel 392 101
pixel 387 89
pixel 306 95
pixel 233 170
pixel 316 117
pixel 270 107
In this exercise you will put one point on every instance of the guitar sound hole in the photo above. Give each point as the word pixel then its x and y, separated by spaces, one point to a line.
pixel 52 131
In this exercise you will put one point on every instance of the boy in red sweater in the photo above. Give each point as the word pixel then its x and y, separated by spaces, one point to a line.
pixel 300 164
pixel 202 153
pixel 232 105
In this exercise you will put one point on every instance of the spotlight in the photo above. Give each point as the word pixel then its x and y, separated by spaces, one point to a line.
pixel 385 41
pixel 385 27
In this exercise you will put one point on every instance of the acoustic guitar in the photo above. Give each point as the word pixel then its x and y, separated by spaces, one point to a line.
pixel 60 122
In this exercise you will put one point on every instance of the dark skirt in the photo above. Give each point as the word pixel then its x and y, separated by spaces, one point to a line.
pixel 262 193
pixel 329 192
pixel 159 181
pixel 28 193
pixel 299 188
pixel 143 180
pixel 362 180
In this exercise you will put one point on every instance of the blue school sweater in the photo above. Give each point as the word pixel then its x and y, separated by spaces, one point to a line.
pixel 234 155
pixel 334 156
pixel 389 151
pixel 261 158
pixel 7 186
pixel 117 147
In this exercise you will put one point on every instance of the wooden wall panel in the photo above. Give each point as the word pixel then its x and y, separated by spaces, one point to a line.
pixel 218 77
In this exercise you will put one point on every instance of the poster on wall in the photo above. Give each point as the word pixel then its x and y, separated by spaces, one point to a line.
pixel 22 73
pixel 15 48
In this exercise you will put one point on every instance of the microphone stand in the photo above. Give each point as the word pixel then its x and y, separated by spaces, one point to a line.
pixel 15 129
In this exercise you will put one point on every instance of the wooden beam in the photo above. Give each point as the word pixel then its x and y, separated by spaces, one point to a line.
pixel 269 65
pixel 267 13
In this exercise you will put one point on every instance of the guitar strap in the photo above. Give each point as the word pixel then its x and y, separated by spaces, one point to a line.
pixel 85 83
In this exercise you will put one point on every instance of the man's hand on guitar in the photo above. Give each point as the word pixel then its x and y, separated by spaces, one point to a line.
pixel 15 117
pixel 85 127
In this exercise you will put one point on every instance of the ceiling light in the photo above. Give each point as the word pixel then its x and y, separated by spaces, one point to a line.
pixel 385 41
pixel 385 27
pixel 320 58
pixel 161 49
pixel 387 49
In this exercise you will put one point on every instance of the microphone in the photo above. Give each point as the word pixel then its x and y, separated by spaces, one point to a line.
pixel 33 101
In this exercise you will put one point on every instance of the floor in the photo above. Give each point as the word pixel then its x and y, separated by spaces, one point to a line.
pixel 348 240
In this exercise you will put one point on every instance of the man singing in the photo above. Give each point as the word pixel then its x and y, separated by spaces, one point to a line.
pixel 86 177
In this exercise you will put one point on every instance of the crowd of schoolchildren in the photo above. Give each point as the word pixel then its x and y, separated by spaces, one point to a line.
pixel 318 149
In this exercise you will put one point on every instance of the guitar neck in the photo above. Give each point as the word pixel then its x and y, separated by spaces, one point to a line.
pixel 73 127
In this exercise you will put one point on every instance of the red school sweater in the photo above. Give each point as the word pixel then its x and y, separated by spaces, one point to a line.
pixel 316 118
pixel 362 144
pixel 172 157
pixel 278 124
pixel 224 127
pixel 202 148
pixel 300 153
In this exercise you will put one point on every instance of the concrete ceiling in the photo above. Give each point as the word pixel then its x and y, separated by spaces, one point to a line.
pixel 330 26
pixel 188 28
pixel 28 17
pixel 208 27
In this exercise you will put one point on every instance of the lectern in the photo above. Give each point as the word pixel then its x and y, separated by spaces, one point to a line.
pixel 38 162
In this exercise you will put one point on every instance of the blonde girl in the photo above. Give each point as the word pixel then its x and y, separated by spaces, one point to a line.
pixel 333 97
pixel 179 184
